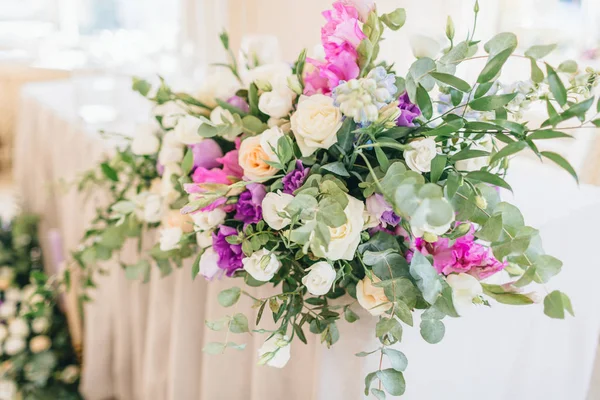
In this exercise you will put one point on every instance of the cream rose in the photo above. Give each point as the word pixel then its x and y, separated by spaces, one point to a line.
pixel 39 344
pixel 169 238
pixel 145 141
pixel 208 264
pixel 319 279
pixel 315 123
pixel 475 164
pixel 275 352
pixel 465 288
pixel 372 298
pixel 419 157
pixel 208 220
pixel 175 219
pixel 276 103
pixel 274 204
pixel 252 159
pixel 346 238
pixel 262 265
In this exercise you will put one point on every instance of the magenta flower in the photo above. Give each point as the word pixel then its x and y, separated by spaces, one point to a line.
pixel 408 111
pixel 231 166
pixel 215 175
pixel 295 179
pixel 206 154
pixel 230 255
pixel 249 205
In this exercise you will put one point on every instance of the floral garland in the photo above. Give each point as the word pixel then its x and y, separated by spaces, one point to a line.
pixel 37 358
pixel 336 178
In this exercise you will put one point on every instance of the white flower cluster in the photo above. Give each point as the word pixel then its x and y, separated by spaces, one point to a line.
pixel 527 92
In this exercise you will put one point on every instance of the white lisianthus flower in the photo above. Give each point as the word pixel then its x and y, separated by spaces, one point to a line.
pixel 14 345
pixel 170 113
pixel 364 7
pixel 419 157
pixel 372 298
pixel 208 220
pixel 424 46
pixel 475 164
pixel 145 142
pixel 186 130
pixel 282 123
pixel 319 279
pixel 268 141
pixel 169 238
pixel 40 324
pixel 8 309
pixel 209 267
pixel 274 204
pixel 253 159
pixel 18 327
pixel 204 239
pixel 274 75
pixel 167 189
pixel 69 374
pixel 420 222
pixel 315 123
pixel 465 288
pixel 276 103
pixel 149 207
pixel 3 333
pixel 172 150
pixel 12 294
pixel 221 84
pixel 221 116
pixel 262 265
pixel 275 352
pixel 346 238
pixel 39 344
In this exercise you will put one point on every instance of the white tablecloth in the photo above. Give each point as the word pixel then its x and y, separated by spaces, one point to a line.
pixel 144 341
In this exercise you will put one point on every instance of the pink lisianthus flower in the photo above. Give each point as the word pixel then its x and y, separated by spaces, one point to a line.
pixel 341 28
pixel 328 74
pixel 215 175
pixel 203 175
pixel 364 7
pixel 231 166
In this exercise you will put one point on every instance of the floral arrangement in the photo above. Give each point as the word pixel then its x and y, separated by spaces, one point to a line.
pixel 336 178
pixel 37 358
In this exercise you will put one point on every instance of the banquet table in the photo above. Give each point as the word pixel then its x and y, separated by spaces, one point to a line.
pixel 144 341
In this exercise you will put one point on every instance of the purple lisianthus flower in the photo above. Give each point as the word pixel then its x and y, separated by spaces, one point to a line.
pixel 408 111
pixel 239 102
pixel 249 206
pixel 390 218
pixel 206 154
pixel 230 255
pixel 295 179
pixel 382 210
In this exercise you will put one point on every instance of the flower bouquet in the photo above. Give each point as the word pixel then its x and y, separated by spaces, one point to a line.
pixel 336 177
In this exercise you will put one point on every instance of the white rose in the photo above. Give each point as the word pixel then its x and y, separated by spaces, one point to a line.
pixel 39 344
pixel 346 238
pixel 253 159
pixel 268 141
pixel 272 205
pixel 372 298
pixel 364 7
pixel 169 238
pixel 475 164
pixel 145 141
pixel 204 239
pixel 167 189
pixel 12 294
pixel 208 220
pixel 276 103
pixel 221 116
pixel 420 222
pixel 8 309
pixel 315 123
pixel 209 267
pixel 70 374
pixel 40 324
pixel 18 327
pixel 262 265
pixel 221 84
pixel 275 352
pixel 186 130
pixel 419 157
pixel 423 46
pixel 170 113
pixel 319 279
pixel 3 333
pixel 465 288
pixel 14 345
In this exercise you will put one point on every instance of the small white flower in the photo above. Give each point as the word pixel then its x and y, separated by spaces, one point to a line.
pixel 221 84
pixel 273 205
pixel 149 207
pixel 465 288
pixel 8 309
pixel 319 279
pixel 186 130
pixel 8 389
pixel 419 157
pixel 208 220
pixel 209 264
pixel 145 142
pixel 172 150
pixel 276 103
pixel 3 333
pixel 69 374
pixel 475 164
pixel 262 265
pixel 14 345
pixel 39 344
pixel 6 277
pixel 274 75
pixel 40 324
pixel 169 238
pixel 167 189
pixel 275 352
pixel 28 291
pixel 18 327
pixel 423 46
pixel 204 239
pixel 170 113
pixel 13 294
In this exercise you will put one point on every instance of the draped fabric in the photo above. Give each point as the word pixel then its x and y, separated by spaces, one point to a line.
pixel 144 341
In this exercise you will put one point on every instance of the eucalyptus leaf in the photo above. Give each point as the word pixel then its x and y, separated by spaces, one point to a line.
pixel 229 297
pixel 432 330
pixel 426 277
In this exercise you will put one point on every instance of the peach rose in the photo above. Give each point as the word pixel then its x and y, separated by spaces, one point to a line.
pixel 372 298
pixel 252 159
pixel 175 219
